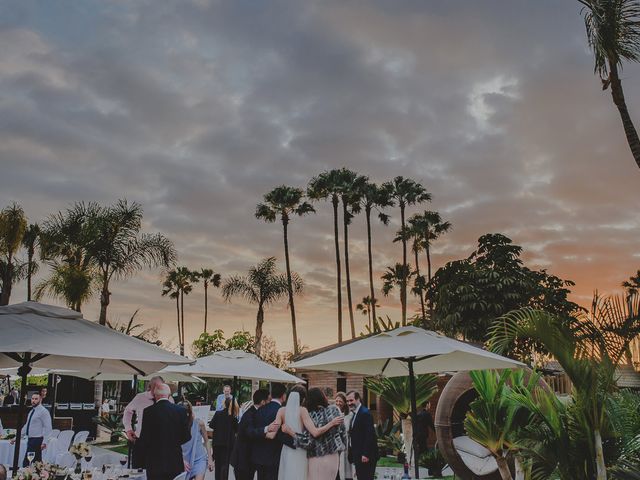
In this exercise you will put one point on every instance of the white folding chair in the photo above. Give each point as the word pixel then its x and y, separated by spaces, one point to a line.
pixel 65 438
pixel 65 460
pixel 80 437
pixel 54 433
pixel 49 453
pixel 182 476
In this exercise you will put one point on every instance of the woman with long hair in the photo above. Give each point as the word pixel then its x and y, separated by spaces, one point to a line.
pixel 224 425
pixel 196 452
pixel 345 470
pixel 325 423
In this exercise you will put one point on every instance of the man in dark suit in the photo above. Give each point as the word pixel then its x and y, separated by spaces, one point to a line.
pixel 363 445
pixel 265 454
pixel 243 468
pixel 165 427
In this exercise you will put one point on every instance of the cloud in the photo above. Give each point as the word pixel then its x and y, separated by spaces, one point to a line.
pixel 196 109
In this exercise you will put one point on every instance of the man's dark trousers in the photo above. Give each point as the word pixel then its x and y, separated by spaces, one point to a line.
pixel 267 472
pixel 248 474
pixel 365 471
pixel 33 445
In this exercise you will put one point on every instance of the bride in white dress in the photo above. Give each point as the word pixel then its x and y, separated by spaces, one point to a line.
pixel 293 462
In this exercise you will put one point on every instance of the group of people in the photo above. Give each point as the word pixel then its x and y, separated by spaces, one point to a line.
pixel 295 435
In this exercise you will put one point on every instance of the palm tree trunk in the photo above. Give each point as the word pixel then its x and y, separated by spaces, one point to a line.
pixel 618 99
pixel 372 294
pixel 427 249
pixel 285 224
pixel 345 219
pixel 369 315
pixel 601 468
pixel 182 341
pixel 6 283
pixel 424 313
pixel 29 272
pixel 520 473
pixel 205 306
pixel 338 272
pixel 503 468
pixel 259 322
pixel 403 281
pixel 178 313
pixel 104 299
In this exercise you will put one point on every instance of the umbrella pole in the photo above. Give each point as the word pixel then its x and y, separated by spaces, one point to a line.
pixel 54 394
pixel 414 410
pixel 23 371
pixel 233 404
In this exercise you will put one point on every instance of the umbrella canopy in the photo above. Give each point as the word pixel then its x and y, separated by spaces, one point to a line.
pixel 167 377
pixel 56 337
pixel 233 364
pixel 406 351
pixel 388 354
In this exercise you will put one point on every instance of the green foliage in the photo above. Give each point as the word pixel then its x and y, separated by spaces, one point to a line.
pixel 13 225
pixel 632 286
pixel 395 391
pixel 113 424
pixel 433 460
pixel 137 330
pixel 388 437
pixel 468 294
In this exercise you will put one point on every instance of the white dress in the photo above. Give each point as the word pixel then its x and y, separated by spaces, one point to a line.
pixel 293 462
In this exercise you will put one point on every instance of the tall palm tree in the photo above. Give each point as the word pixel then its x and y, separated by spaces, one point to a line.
pixel 411 233
pixel 428 227
pixel 119 249
pixel 64 241
pixel 349 187
pixel 406 192
pixel 613 33
pixel 327 186
pixel 171 288
pixel 208 277
pixel 632 286
pixel 373 197
pixel 263 286
pixel 13 225
pixel 70 282
pixel 30 241
pixel 366 307
pixel 397 276
pixel 285 201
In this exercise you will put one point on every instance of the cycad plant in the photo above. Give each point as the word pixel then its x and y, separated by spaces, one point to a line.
pixel 493 419
pixel 395 391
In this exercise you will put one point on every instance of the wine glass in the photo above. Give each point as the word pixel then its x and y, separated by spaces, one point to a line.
pixel 123 461
pixel 30 457
pixel 87 459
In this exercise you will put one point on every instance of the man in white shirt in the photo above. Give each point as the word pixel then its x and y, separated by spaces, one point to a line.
pixel 37 429
pixel 137 406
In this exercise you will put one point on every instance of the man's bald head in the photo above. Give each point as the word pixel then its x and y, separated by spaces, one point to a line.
pixel 162 390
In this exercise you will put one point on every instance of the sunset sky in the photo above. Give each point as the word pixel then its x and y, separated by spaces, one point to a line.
pixel 196 108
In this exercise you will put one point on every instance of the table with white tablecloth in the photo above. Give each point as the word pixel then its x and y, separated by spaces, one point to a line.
pixel 7 449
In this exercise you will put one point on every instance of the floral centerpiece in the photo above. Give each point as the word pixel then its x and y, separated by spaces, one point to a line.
pixel 40 471
pixel 80 450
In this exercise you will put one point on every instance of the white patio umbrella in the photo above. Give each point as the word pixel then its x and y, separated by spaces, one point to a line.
pixel 406 351
pixel 234 364
pixel 46 336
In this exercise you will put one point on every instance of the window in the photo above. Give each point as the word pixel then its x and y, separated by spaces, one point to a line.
pixel 341 384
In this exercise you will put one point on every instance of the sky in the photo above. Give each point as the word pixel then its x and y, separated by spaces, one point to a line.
pixel 196 108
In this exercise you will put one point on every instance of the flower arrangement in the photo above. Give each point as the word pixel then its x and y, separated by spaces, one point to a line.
pixel 39 471
pixel 80 450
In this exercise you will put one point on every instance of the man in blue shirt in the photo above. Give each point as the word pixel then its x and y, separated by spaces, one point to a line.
pixel 37 429
pixel 222 397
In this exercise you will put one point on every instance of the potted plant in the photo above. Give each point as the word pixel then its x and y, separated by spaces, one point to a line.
pixel 113 424
pixel 433 461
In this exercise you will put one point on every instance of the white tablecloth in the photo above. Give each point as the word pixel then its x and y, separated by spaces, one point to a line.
pixel 6 452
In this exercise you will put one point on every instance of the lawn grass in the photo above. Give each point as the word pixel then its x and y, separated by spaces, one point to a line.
pixel 115 447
